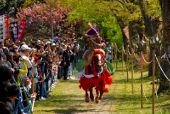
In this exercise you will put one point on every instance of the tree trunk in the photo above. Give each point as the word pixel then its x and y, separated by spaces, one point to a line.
pixel 125 40
pixel 164 83
pixel 133 34
pixel 51 20
pixel 150 31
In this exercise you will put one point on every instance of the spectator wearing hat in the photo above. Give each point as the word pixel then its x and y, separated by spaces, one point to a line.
pixel 25 55
pixel 53 48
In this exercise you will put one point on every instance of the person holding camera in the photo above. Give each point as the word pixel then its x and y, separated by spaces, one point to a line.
pixel 25 55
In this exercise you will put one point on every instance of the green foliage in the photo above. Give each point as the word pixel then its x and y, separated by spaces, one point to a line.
pixel 10 6
pixel 113 31
pixel 153 8
pixel 28 3
pixel 98 12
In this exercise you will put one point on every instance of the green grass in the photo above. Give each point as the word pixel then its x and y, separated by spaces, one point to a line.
pixel 67 98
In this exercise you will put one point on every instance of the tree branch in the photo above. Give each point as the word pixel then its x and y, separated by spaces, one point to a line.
pixel 121 2
pixel 127 1
pixel 124 1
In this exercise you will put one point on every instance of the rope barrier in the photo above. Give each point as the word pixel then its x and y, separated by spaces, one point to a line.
pixel 118 50
pixel 146 61
pixel 129 52
pixel 136 57
pixel 124 51
pixel 136 45
pixel 167 58
pixel 162 69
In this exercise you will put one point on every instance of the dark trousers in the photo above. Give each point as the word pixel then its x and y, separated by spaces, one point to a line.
pixel 59 72
pixel 37 91
pixel 46 82
pixel 65 72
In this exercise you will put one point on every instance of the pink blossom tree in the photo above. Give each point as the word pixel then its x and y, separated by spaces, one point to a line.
pixel 38 18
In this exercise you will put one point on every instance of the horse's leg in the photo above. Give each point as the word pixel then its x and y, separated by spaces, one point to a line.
pixel 91 94
pixel 86 97
pixel 101 90
pixel 97 96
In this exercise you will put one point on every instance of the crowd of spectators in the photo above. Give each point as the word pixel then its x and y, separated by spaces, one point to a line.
pixel 29 70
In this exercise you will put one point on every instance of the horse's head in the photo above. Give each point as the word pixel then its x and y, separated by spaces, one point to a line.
pixel 98 59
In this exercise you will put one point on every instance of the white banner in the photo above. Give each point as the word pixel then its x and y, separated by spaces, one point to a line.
pixel 2 28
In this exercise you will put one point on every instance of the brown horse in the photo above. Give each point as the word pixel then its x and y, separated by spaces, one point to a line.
pixel 95 76
pixel 98 62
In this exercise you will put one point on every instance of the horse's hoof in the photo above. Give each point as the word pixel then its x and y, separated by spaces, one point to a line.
pixel 92 99
pixel 87 99
pixel 100 98
pixel 97 99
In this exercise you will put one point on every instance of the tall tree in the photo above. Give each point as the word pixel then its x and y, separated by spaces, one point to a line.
pixel 40 16
pixel 151 15
pixel 10 7
pixel 164 82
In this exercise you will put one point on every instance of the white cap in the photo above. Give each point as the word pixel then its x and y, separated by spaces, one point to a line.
pixel 47 42
pixel 25 47
pixel 53 44
pixel 38 41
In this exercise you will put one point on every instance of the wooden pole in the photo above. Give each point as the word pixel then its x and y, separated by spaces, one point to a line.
pixel 33 81
pixel 122 60
pixel 153 86
pixel 33 74
pixel 132 70
pixel 116 55
pixel 112 52
pixel 127 62
pixel 141 80
pixel 51 20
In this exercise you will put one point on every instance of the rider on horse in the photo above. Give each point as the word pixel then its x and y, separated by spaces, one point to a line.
pixel 95 73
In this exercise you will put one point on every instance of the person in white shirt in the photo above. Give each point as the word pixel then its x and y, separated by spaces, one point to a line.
pixel 25 55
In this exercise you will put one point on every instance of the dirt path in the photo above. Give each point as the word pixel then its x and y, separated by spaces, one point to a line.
pixel 67 98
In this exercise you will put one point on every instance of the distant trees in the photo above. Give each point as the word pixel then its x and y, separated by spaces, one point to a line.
pixel 38 16
pixel 10 7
